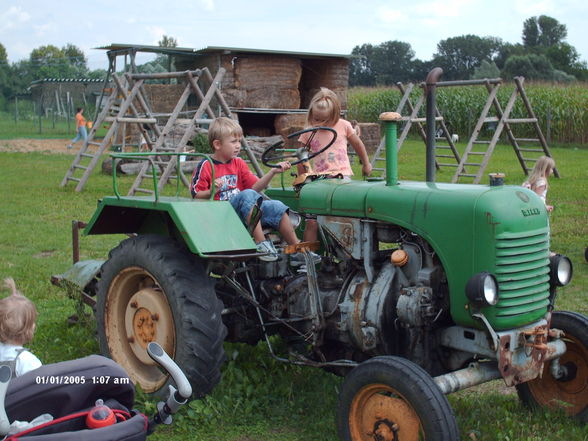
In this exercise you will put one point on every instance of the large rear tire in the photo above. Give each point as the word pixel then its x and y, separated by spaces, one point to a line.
pixel 390 398
pixel 152 289
pixel 569 393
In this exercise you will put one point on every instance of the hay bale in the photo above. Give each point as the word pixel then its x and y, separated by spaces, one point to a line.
pixel 370 135
pixel 289 123
pixel 258 144
pixel 332 74
pixel 265 82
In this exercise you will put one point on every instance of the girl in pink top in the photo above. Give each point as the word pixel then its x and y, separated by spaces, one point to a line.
pixel 325 111
pixel 538 179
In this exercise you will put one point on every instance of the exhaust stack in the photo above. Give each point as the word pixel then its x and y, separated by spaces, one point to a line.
pixel 390 120
pixel 430 85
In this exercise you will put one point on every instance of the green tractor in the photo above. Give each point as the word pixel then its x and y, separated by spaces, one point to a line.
pixel 423 289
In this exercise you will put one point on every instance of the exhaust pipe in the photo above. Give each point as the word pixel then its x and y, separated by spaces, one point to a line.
pixel 390 120
pixel 430 86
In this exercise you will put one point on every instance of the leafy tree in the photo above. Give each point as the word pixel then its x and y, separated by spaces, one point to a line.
pixel 52 62
pixel 167 41
pixel 531 32
pixel 507 50
pixel 563 56
pixel 543 31
pixel 162 62
pixel 532 67
pixel 393 62
pixel 487 69
pixel 4 76
pixel 459 56
pixel 361 72
pixel 76 57
pixel 384 64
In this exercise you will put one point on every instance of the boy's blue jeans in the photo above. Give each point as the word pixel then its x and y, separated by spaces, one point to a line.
pixel 82 133
pixel 271 211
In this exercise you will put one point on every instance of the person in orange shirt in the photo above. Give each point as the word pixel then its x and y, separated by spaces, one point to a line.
pixel 80 128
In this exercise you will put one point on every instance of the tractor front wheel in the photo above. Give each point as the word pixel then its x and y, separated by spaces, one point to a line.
pixel 152 289
pixel 390 398
pixel 569 392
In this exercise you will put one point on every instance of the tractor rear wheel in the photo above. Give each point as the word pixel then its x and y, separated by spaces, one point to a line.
pixel 570 392
pixel 390 398
pixel 152 289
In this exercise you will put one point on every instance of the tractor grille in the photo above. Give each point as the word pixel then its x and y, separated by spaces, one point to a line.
pixel 522 270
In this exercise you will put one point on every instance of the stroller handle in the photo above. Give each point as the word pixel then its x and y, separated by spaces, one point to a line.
pixel 5 375
pixel 158 355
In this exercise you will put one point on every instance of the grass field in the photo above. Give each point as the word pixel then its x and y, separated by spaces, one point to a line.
pixel 259 399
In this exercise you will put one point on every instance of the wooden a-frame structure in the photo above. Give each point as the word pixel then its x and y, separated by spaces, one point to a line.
pixel 443 153
pixel 474 160
pixel 127 104
pixel 478 151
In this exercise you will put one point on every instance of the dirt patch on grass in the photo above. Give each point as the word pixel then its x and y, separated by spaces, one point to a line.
pixel 38 145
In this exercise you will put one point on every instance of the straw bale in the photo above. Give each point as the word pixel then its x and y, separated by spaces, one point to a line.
pixel 333 74
pixel 265 82
pixel 370 135
pixel 290 123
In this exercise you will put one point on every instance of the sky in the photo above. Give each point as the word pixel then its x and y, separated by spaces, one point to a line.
pixel 326 26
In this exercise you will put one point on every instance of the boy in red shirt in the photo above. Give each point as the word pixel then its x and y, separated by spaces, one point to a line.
pixel 234 182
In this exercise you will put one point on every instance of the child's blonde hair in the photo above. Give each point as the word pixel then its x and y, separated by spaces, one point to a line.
pixel 542 169
pixel 223 127
pixel 17 317
pixel 325 99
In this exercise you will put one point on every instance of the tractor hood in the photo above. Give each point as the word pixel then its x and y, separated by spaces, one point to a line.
pixel 471 228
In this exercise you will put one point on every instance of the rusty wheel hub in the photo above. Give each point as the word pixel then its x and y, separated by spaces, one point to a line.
pixel 571 391
pixel 138 312
pixel 379 413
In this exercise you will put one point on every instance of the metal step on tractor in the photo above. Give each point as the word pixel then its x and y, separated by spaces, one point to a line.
pixel 424 289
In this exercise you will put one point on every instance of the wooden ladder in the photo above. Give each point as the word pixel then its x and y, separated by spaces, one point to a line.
pixel 441 151
pixel 120 111
pixel 503 122
pixel 167 164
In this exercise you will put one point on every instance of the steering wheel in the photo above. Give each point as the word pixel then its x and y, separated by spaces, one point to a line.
pixel 276 153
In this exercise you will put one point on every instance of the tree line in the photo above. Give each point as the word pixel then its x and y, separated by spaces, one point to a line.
pixel 543 54
pixel 69 61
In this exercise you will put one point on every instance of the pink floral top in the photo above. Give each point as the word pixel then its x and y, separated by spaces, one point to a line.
pixel 335 158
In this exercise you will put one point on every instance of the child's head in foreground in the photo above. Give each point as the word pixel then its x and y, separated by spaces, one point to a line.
pixel 17 317
pixel 222 128
pixel 324 109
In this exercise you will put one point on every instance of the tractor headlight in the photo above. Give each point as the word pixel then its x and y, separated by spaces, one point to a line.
pixel 482 289
pixel 560 270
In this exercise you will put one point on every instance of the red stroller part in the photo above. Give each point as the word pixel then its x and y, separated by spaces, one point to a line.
pixel 69 391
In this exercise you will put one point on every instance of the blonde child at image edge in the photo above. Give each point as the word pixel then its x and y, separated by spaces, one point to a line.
pixel 17 326
pixel 538 179
pixel 325 110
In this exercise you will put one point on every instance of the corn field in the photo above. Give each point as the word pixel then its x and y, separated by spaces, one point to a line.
pixel 562 110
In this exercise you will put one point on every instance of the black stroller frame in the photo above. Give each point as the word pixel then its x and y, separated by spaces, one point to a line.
pixel 69 390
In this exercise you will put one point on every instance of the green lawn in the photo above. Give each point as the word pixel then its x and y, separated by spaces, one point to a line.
pixel 258 398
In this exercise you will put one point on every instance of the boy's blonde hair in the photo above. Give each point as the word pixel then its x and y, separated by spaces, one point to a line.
pixel 223 127
pixel 17 317
pixel 325 99
pixel 542 169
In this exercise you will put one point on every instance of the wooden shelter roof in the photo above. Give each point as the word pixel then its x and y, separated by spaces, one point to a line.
pixel 185 51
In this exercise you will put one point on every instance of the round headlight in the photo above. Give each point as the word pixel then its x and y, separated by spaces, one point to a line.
pixel 482 289
pixel 561 270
